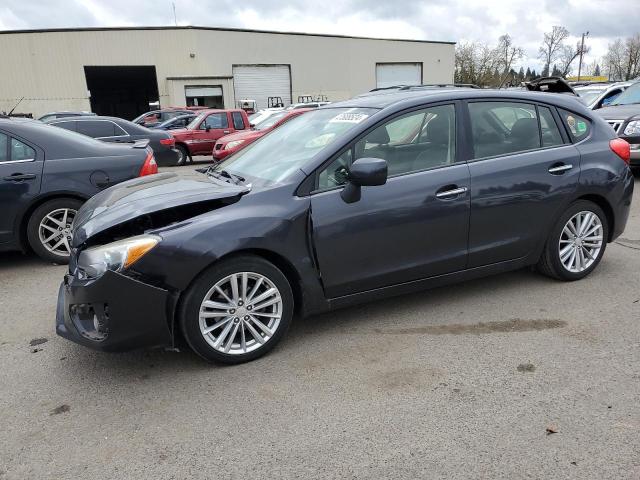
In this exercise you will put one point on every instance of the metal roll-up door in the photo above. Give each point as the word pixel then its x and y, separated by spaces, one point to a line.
pixel 259 82
pixel 392 74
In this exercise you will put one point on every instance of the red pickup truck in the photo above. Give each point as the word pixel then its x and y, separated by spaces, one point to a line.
pixel 201 134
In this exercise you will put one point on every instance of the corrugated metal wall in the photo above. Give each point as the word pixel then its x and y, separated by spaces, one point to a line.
pixel 48 67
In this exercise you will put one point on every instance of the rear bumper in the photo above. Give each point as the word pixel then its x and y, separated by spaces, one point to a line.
pixel 114 313
pixel 166 157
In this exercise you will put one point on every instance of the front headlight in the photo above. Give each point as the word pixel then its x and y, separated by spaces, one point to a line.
pixel 233 144
pixel 633 128
pixel 116 256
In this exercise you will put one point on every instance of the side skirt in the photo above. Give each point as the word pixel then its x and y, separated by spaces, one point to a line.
pixel 432 282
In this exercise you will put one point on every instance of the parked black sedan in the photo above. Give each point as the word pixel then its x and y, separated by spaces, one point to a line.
pixel 47 173
pixel 118 130
pixel 367 198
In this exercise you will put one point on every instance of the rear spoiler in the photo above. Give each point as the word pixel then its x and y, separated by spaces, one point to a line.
pixel 550 85
pixel 144 143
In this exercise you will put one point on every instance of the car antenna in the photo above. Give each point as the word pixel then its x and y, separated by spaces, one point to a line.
pixel 14 107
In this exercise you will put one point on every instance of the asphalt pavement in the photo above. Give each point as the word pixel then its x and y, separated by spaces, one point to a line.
pixel 512 376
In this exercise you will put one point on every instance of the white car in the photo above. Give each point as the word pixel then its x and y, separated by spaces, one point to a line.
pixel 600 95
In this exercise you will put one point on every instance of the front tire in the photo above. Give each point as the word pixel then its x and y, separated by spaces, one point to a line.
pixel 576 243
pixel 49 229
pixel 237 311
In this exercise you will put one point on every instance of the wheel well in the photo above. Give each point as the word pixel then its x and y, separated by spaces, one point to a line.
pixel 22 229
pixel 184 145
pixel 606 208
pixel 279 261
pixel 283 265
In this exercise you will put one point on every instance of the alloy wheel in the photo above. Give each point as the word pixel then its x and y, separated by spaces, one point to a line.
pixel 240 313
pixel 580 241
pixel 54 231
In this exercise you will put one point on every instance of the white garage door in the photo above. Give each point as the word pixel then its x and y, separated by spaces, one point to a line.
pixel 391 74
pixel 259 82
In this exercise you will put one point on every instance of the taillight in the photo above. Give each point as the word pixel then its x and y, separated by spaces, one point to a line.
pixel 168 141
pixel 621 148
pixel 149 167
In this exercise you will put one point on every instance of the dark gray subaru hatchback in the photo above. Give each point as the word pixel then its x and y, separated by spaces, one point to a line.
pixel 375 196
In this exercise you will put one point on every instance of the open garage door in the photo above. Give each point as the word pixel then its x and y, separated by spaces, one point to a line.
pixel 121 91
pixel 392 74
pixel 259 82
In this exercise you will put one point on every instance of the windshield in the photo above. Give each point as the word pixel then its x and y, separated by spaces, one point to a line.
pixel 270 121
pixel 286 149
pixel 630 96
pixel 589 95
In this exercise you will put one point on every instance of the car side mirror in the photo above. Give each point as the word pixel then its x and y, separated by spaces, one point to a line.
pixel 364 172
pixel 207 128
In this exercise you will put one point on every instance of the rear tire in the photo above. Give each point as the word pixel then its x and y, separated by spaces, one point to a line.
pixel 568 256
pixel 183 155
pixel 48 230
pixel 231 324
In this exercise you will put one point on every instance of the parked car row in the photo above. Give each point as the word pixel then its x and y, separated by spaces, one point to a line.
pixel 47 173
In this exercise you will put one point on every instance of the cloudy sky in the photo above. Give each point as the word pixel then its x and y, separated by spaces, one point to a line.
pixel 451 20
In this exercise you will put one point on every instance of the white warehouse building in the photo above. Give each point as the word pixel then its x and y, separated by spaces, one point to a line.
pixel 122 71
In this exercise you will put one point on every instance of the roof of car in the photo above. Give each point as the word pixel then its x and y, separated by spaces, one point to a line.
pixel 407 98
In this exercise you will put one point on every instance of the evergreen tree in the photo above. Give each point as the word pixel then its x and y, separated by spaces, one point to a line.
pixel 521 74
pixel 545 71
pixel 527 76
pixel 534 74
pixel 556 71
pixel 596 71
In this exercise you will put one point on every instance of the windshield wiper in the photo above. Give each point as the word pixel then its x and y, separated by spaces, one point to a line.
pixel 214 172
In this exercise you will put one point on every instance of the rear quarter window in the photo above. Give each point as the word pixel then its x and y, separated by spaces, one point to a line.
pixel 577 126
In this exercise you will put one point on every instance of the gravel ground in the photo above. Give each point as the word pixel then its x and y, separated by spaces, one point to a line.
pixel 513 376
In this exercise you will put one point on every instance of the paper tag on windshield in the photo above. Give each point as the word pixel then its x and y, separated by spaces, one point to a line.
pixel 349 118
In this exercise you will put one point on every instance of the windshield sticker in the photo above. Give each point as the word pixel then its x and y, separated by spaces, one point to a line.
pixel 349 118
pixel 582 127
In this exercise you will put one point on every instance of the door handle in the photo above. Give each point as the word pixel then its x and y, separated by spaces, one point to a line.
pixel 452 192
pixel 559 169
pixel 19 177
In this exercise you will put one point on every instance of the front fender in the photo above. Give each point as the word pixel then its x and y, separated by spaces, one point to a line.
pixel 279 228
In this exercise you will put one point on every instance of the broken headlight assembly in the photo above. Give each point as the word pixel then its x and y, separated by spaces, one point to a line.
pixel 94 262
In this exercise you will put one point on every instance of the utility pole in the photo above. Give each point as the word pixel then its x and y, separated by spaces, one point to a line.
pixel 175 19
pixel 581 52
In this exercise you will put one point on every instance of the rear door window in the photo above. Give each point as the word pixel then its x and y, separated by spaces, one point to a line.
pixel 238 121
pixel 579 127
pixel 97 128
pixel 4 149
pixel 549 128
pixel 21 151
pixel 502 128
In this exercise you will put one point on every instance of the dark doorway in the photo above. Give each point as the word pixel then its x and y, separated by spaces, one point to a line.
pixel 122 91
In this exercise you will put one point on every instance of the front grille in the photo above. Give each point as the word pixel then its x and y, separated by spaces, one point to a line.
pixel 616 125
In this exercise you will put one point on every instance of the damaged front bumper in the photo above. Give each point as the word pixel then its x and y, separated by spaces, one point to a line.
pixel 114 313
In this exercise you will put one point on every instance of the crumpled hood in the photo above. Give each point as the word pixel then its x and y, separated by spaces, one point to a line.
pixel 619 112
pixel 144 195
